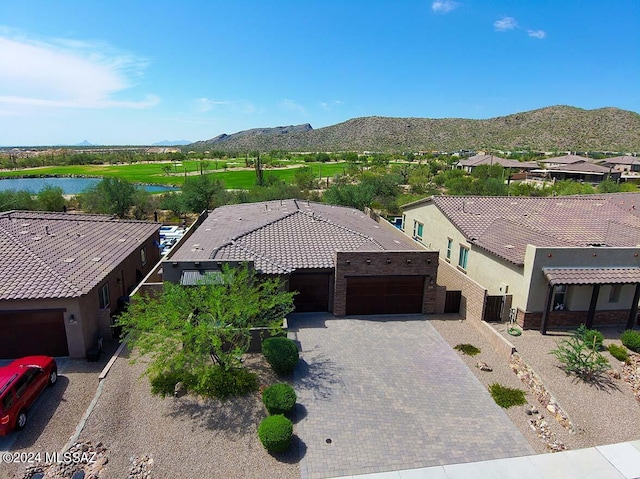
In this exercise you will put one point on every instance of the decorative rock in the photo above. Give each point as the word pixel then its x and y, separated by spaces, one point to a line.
pixel 614 374
pixel 483 366
pixel 179 390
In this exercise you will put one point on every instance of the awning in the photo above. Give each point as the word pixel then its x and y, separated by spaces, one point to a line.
pixel 591 275
pixel 198 277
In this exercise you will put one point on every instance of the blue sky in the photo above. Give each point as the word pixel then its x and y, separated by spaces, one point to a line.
pixel 138 72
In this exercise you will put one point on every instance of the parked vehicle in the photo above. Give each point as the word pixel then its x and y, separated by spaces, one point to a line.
pixel 21 382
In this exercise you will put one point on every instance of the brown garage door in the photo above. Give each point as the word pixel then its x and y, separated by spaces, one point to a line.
pixel 384 294
pixel 23 333
pixel 313 291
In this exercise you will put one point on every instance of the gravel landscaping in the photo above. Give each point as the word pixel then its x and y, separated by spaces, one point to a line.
pixel 184 437
pixel 58 410
pixel 602 414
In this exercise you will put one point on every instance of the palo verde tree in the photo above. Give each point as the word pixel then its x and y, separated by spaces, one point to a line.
pixel 189 331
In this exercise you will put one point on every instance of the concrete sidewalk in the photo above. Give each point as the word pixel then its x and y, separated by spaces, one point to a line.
pixel 615 461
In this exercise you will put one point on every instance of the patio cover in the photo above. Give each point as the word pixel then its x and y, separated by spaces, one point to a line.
pixel 592 275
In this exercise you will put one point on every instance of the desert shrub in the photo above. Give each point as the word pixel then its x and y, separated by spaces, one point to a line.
pixel 468 349
pixel 578 358
pixel 275 433
pixel 281 354
pixel 163 384
pixel 619 352
pixel 506 397
pixel 279 398
pixel 592 337
pixel 225 383
pixel 631 339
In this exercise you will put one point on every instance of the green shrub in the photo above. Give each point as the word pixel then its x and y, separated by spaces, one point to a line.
pixel 592 338
pixel 619 352
pixel 275 433
pixel 468 349
pixel 225 383
pixel 579 358
pixel 631 339
pixel 506 397
pixel 281 354
pixel 279 398
pixel 164 384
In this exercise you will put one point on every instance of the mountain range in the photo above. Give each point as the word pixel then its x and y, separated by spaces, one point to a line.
pixel 555 128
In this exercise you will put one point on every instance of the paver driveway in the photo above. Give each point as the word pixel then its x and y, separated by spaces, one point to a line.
pixel 390 394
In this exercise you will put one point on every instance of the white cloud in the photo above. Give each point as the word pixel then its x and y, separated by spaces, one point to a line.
pixel 537 34
pixel 328 105
pixel 505 23
pixel 62 73
pixel 292 105
pixel 443 6
pixel 203 105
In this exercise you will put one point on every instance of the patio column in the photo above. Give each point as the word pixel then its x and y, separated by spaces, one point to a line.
pixel 592 306
pixel 545 311
pixel 633 312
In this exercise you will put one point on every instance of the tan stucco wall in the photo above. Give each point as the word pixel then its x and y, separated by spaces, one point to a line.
pixel 482 267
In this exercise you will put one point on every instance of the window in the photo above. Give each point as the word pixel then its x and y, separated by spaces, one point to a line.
pixel 464 257
pixel 614 295
pixel 103 295
pixel 143 256
pixel 449 248
pixel 417 230
pixel 559 295
pixel 404 221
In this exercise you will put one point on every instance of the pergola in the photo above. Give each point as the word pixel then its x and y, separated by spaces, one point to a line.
pixel 594 277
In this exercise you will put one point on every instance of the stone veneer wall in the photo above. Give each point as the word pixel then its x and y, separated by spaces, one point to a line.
pixel 529 320
pixel 473 294
pixel 385 263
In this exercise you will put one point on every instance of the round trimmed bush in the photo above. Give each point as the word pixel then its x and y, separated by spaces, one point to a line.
pixel 279 398
pixel 593 337
pixel 631 339
pixel 281 353
pixel 275 433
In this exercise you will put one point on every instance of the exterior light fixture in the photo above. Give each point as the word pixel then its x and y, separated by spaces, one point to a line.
pixel 72 319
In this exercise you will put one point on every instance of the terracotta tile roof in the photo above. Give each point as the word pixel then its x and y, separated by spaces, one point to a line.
pixel 282 236
pixel 623 160
pixel 579 168
pixel 505 225
pixel 567 159
pixel 592 275
pixel 62 255
pixel 493 160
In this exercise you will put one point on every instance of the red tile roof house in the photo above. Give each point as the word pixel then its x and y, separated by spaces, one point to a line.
pixel 62 276
pixel 576 170
pixel 553 262
pixel 338 259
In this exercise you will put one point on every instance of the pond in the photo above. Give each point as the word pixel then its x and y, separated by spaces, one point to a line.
pixel 70 186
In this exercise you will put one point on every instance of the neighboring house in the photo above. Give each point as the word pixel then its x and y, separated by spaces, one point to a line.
pixel 553 261
pixel 338 259
pixel 625 164
pixel 63 276
pixel 579 171
pixel 469 164
pixel 565 161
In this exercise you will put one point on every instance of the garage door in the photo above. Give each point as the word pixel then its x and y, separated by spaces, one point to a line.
pixel 33 332
pixel 313 291
pixel 384 294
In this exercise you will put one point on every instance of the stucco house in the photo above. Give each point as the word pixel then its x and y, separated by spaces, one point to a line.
pixel 469 164
pixel 338 259
pixel 62 276
pixel 553 261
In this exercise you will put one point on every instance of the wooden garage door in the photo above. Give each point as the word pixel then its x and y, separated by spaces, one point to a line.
pixel 384 294
pixel 313 291
pixel 23 333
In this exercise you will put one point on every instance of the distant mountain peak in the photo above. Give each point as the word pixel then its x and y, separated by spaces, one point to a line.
pixel 551 128
pixel 84 143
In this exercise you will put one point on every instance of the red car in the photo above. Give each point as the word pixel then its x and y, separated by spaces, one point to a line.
pixel 21 382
